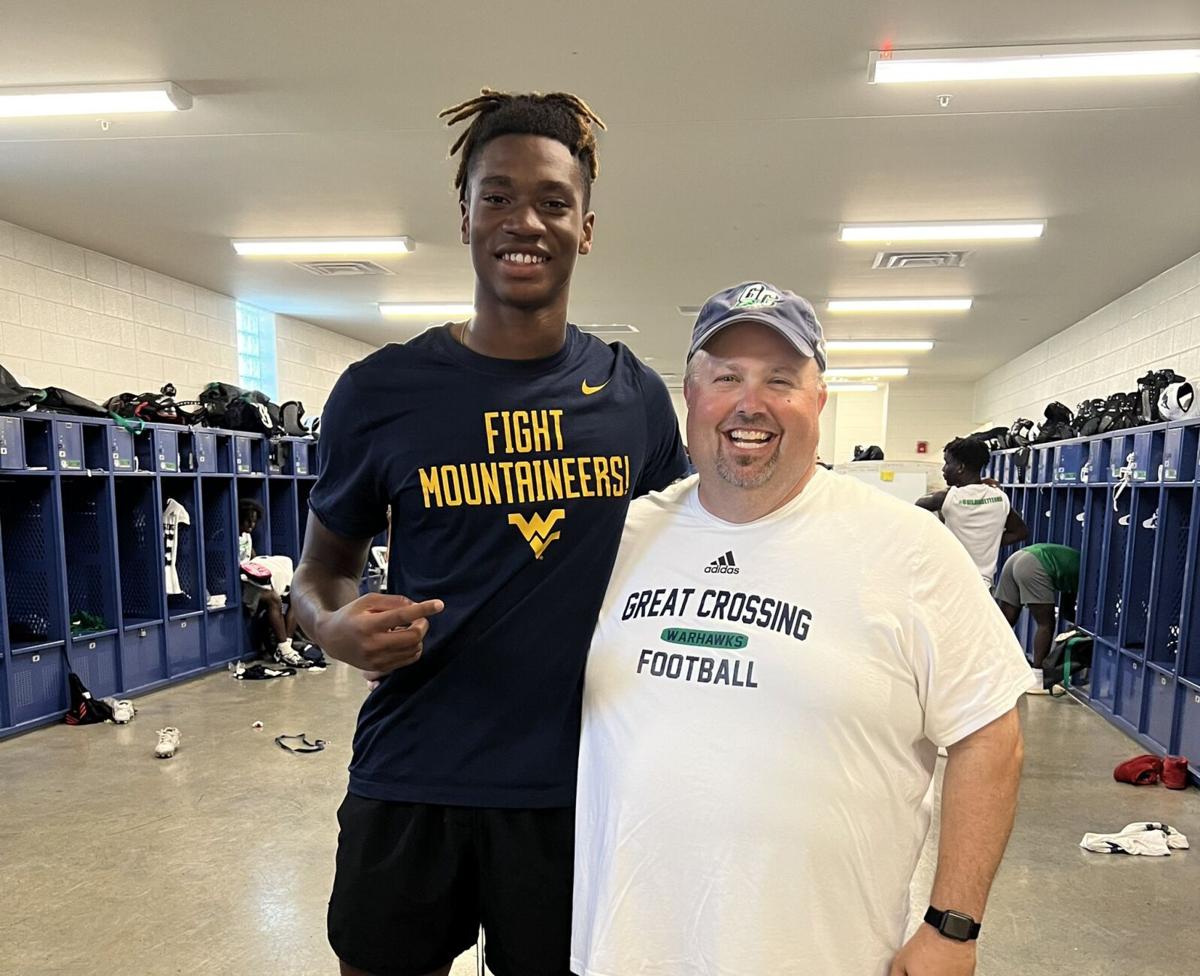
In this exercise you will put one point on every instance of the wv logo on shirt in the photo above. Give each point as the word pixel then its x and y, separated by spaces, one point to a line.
pixel 723 564
pixel 536 530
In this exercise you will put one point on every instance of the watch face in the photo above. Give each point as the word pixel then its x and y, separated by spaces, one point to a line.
pixel 957 926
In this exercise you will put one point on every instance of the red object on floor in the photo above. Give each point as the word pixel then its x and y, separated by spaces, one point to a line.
pixel 1140 770
pixel 1175 772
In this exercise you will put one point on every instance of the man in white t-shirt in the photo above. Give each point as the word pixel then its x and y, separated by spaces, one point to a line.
pixel 978 514
pixel 780 653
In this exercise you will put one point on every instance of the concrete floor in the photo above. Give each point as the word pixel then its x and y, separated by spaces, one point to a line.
pixel 219 860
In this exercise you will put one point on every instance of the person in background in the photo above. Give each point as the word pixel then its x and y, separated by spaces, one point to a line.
pixel 264 596
pixel 1035 577
pixel 978 513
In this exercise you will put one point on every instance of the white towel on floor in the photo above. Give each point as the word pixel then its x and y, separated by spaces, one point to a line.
pixel 1147 837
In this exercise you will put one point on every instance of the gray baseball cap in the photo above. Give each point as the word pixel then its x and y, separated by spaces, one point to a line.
pixel 757 301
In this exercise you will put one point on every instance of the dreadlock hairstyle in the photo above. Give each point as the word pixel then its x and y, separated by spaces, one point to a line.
pixel 561 116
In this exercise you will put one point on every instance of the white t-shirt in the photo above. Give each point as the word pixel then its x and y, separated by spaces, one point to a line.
pixel 762 709
pixel 976 515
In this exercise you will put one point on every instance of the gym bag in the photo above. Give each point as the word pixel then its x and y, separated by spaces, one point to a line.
pixel 1057 426
pixel 232 408
pixel 150 408
pixel 84 709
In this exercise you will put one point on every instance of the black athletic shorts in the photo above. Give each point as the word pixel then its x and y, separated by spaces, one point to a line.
pixel 415 881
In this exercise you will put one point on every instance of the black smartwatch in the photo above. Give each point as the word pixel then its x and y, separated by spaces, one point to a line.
pixel 953 925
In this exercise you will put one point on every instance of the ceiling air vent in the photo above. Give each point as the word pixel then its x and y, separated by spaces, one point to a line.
pixel 613 328
pixel 913 260
pixel 342 269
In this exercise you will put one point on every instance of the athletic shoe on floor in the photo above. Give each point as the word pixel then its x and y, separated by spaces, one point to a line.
pixel 1142 770
pixel 123 711
pixel 286 654
pixel 168 742
pixel 1037 683
pixel 1175 772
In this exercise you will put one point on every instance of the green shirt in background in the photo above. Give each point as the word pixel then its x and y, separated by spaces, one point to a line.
pixel 1061 562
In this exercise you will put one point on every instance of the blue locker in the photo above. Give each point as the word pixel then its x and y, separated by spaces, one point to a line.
pixel 205 447
pixel 1179 453
pixel 1120 455
pixel 142 660
pixel 1160 707
pixel 1095 470
pixel 223 637
pixel 185 644
pixel 285 538
pixel 1069 460
pixel 1188 739
pixel 68 445
pixel 1138 573
pixel 39 685
pixel 1042 461
pixel 120 448
pixel 12 444
pixel 140 551
pixel 1169 568
pixel 1104 677
pixel 166 449
pixel 1092 562
pixel 97 662
pixel 241 454
pixel 1147 453
pixel 1128 704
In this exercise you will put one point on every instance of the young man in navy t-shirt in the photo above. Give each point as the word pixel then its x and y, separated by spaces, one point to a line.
pixel 508 448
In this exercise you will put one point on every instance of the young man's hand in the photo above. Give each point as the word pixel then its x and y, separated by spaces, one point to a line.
pixel 379 632
pixel 929 953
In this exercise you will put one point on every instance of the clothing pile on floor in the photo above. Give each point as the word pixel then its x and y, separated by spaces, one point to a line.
pixel 1146 770
pixel 1147 837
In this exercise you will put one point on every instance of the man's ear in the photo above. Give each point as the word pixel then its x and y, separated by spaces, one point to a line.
pixel 585 242
pixel 466 221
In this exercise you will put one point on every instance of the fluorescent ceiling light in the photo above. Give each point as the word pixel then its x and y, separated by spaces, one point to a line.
pixel 323 246
pixel 878 345
pixel 898 304
pixel 851 387
pixel 602 328
pixel 1111 60
pixel 866 372
pixel 950 230
pixel 92 100
pixel 425 310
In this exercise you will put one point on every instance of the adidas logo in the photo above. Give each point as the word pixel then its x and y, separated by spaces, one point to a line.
pixel 724 564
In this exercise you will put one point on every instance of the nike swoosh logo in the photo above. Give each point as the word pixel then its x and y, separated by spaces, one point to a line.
pixel 589 390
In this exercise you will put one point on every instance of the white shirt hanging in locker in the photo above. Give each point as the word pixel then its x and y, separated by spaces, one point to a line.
pixel 174 515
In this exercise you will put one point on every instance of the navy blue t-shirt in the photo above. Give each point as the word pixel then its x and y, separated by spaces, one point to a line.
pixel 508 482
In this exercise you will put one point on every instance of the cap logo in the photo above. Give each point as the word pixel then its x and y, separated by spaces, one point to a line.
pixel 758 296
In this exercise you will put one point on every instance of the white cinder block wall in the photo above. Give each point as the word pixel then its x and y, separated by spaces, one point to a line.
pixel 926 411
pixel 311 359
pixel 1154 326
pixel 81 320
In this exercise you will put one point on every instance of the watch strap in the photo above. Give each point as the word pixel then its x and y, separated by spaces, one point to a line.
pixel 952 924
